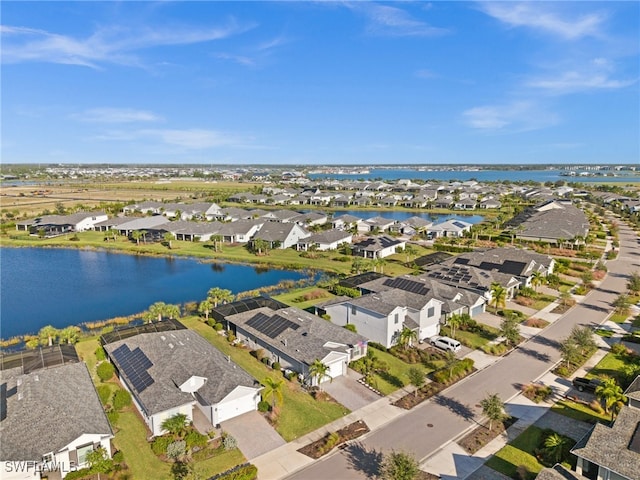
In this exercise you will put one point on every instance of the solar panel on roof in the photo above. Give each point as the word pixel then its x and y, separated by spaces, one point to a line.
pixel 134 365
pixel 271 326
pixel 407 285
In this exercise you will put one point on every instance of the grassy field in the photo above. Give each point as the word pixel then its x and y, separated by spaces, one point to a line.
pixel 473 340
pixel 519 452
pixel 300 412
pixel 579 412
pixel 296 297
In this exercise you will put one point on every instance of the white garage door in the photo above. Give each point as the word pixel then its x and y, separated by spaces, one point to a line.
pixel 236 404
pixel 335 361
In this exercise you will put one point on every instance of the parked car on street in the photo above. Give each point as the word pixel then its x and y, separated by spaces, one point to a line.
pixel 445 343
pixel 586 384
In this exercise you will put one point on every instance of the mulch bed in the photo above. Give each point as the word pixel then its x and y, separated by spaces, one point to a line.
pixel 316 449
pixel 481 435
pixel 561 308
pixel 410 400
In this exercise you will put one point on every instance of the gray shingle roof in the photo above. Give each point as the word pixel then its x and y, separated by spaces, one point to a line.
pixel 49 409
pixel 513 261
pixel 633 391
pixel 178 354
pixel 306 343
pixel 329 236
pixel 609 446
pixel 374 244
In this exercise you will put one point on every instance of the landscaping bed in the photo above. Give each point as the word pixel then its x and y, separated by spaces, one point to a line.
pixel 481 435
pixel 327 443
pixel 410 400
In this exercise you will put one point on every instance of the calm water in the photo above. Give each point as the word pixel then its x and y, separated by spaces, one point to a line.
pixel 64 287
pixel 480 175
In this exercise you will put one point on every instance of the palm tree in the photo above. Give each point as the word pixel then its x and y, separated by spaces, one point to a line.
pixel 272 391
pixel 48 334
pixel 555 444
pixel 219 295
pixel 583 338
pixel 609 392
pixel 537 279
pixel 136 235
pixel 175 425
pixel 454 322
pixel 319 371
pixel 622 304
pixel 168 237
pixel 217 239
pixel 498 296
pixel 493 408
pixel 406 336
pixel 70 334
pixel 570 351
pixel 205 307
pixel 143 236
pixel 410 252
pixel 634 283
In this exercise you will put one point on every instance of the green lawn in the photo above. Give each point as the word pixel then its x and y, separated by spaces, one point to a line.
pixel 519 452
pixel 619 317
pixel 579 412
pixel 220 463
pixel 293 297
pixel 612 365
pixel 473 340
pixel 542 301
pixel 131 438
pixel 300 413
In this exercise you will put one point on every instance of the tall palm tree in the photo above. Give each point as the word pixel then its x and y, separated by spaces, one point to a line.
pixel 136 235
pixel 205 307
pixel 609 392
pixel 319 371
pixel 410 252
pixel 454 322
pixel 272 391
pixel 498 296
pixel 537 279
pixel 48 334
pixel 168 237
pixel 493 408
pixel 219 295
pixel 70 334
pixel 406 337
pixel 217 240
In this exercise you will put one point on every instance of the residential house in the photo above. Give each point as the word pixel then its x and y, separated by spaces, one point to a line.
pixel 473 279
pixel 612 452
pixel 176 371
pixel 281 235
pixel 53 225
pixel 283 216
pixel 377 247
pixel 379 224
pixel 327 240
pixel 490 203
pixel 552 222
pixel 292 337
pixel 311 219
pixel 449 228
pixel 142 223
pixel 240 231
pixel 465 204
pixel 50 415
pixel 345 222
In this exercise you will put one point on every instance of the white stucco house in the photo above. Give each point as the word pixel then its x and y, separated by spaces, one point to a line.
pixel 51 417
pixel 284 235
pixel 328 240
pixel 178 371
pixel 450 228
pixel 378 247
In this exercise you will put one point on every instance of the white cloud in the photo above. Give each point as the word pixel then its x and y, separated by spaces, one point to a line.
pixel 573 81
pixel 186 139
pixel 240 59
pixel 541 16
pixel 393 21
pixel 105 45
pixel 116 115
pixel 517 116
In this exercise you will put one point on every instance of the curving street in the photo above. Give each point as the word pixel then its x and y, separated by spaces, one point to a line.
pixel 426 428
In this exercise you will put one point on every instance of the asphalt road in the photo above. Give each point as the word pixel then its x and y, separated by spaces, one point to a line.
pixel 424 429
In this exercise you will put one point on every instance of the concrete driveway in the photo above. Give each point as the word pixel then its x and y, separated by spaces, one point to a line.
pixel 349 392
pixel 254 434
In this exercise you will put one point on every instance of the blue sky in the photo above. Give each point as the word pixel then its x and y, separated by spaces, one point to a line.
pixel 320 82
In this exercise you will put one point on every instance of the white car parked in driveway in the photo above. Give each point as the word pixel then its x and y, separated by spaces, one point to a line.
pixel 445 343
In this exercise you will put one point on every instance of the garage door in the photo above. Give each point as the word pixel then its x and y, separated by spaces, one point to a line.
pixel 240 401
pixel 476 310
pixel 335 361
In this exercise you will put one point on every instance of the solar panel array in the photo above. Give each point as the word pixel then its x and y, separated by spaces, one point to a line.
pixel 134 364
pixel 271 326
pixel 407 285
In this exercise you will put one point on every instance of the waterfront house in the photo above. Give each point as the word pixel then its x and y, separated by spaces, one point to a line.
pixel 345 222
pixel 142 223
pixel 449 228
pixel 281 235
pixel 377 247
pixel 327 240
pixel 53 225
pixel 50 415
pixel 170 370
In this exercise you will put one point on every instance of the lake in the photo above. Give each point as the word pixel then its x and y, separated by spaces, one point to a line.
pixel 541 176
pixel 62 287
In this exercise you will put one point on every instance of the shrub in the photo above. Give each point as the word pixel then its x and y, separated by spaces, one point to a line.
pixel 536 323
pixel 211 322
pixel 618 349
pixel 78 474
pixel 243 472
pixel 351 327
pixel 113 417
pixel 331 441
pixel 596 407
pixel 263 406
pixel 292 376
pixel 537 393
pixel 276 366
pixel 104 392
pixel 121 399
pixel 160 444
pixel 100 354
pixel 229 442
pixel 176 449
pixel 195 439
pixel 258 353
pixel 118 457
pixel 105 371
pixel 562 371
pixel 346 291
pixel 231 337
pixel 378 346
pixel 218 327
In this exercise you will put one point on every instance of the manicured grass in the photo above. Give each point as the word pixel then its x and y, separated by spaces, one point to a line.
pixel 542 301
pixel 300 412
pixel 131 438
pixel 397 375
pixel 579 412
pixel 619 317
pixel 220 463
pixel 473 340
pixel 519 452
pixel 86 349
pixel 613 365
pixel 292 297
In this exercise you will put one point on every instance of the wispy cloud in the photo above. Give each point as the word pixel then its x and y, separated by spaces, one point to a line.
pixel 542 16
pixel 116 115
pixel 240 59
pixel 517 116
pixel 425 73
pixel 187 139
pixel 108 45
pixel 255 55
pixel 393 21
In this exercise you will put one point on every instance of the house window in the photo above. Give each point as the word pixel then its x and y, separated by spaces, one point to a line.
pixel 82 453
pixel 47 458
pixel 396 318
pixel 431 311
pixel 353 310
